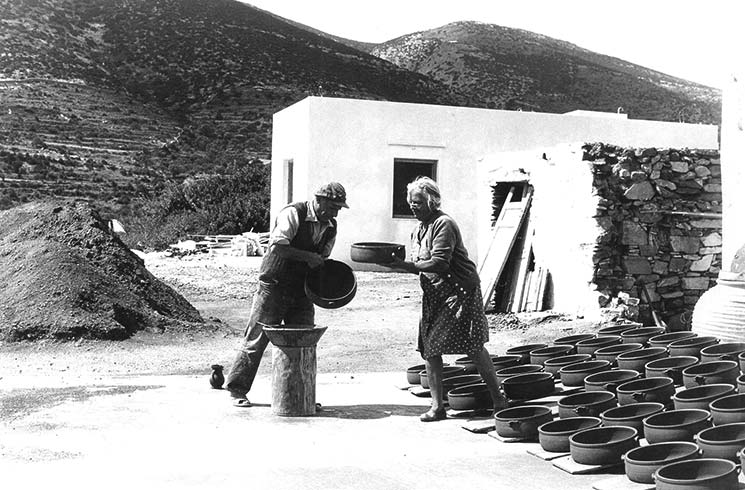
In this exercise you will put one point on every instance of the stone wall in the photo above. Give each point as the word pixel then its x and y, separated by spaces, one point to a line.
pixel 660 215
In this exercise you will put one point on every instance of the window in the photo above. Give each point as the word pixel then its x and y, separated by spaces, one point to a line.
pixel 404 171
pixel 288 171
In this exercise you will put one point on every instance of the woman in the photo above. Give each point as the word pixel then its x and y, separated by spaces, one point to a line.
pixel 452 319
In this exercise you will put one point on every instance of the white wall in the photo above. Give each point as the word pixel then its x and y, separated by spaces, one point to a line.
pixel 354 142
pixel 733 166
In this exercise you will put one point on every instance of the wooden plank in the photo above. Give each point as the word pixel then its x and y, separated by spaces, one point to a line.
pixel 522 272
pixel 504 233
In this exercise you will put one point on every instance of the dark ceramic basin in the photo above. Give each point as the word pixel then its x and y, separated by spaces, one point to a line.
pixel 524 351
pixel 539 356
pixel 332 285
pixel 447 372
pixel 631 415
pixel 522 422
pixel 665 339
pixel 572 339
pixel 672 367
pixel 617 329
pixel 611 352
pixel 675 425
pixel 602 445
pixel 376 252
pixel 470 397
pixel 697 474
pixel 726 351
pixel 587 404
pixel 554 436
pixel 589 346
pixel 723 441
pixel 508 372
pixel 529 386
pixel 691 346
pixel 412 374
pixel 728 409
pixel 640 335
pixel 609 380
pixel 554 364
pixel 713 372
pixel 640 463
pixel 575 374
pixel 646 390
pixel 500 362
pixel 701 396
pixel 637 359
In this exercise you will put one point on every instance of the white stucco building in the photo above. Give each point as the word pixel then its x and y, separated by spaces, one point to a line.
pixel 374 148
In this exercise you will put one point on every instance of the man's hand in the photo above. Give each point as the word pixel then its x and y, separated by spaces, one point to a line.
pixel 314 260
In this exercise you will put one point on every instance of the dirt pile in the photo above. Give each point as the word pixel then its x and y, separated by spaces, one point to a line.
pixel 64 275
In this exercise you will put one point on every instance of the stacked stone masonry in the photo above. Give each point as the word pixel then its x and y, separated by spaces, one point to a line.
pixel 659 212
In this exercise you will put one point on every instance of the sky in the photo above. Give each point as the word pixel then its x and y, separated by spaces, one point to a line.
pixel 683 38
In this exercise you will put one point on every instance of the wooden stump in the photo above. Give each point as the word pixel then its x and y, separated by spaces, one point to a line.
pixel 294 381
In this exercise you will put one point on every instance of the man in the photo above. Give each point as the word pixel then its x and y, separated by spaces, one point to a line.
pixel 303 236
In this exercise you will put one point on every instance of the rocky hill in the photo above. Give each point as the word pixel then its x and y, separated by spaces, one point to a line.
pixel 106 101
pixel 509 68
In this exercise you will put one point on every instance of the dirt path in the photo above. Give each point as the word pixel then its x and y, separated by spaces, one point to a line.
pixel 376 332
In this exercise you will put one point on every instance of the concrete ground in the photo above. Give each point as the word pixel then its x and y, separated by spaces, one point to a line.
pixel 175 432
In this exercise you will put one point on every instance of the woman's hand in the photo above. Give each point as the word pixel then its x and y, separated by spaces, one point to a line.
pixel 398 263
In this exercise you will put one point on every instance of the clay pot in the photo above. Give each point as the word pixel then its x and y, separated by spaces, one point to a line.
pixel 741 361
pixel 573 339
pixel 529 386
pixel 713 372
pixel 412 374
pixel 500 362
pixel 726 351
pixel 728 409
pixel 505 373
pixel 524 351
pixel 460 380
pixel 217 378
pixel 665 339
pixel 646 390
pixel 741 383
pixel 332 285
pixel 376 252
pixel 631 415
pixel 617 329
pixel 640 335
pixel 611 352
pixel 554 436
pixel 447 372
pixel 697 474
pixel 691 346
pixel 675 425
pixel 522 422
pixel 575 374
pixel 671 367
pixel 700 396
pixel 539 356
pixel 587 404
pixel 554 364
pixel 609 380
pixel 467 364
pixel 470 397
pixel 637 359
pixel 589 346
pixel 602 445
pixel 640 463
pixel 723 441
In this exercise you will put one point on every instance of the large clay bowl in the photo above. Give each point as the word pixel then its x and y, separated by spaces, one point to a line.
pixel 522 422
pixel 539 356
pixel 741 361
pixel 376 252
pixel 714 372
pixel 332 285
pixel 602 445
pixel 617 329
pixel 447 372
pixel 631 415
pixel 529 386
pixel 589 346
pixel 611 352
pixel 470 397
pixel 509 372
pixel 646 390
pixel 609 380
pixel 587 404
pixel 574 375
pixel 572 339
pixel 691 346
pixel 524 351
pixel 726 351
pixel 460 380
pixel 728 409
pixel 640 335
pixel 722 441
pixel 412 374
pixel 640 463
pixel 671 367
pixel 554 364
pixel 467 364
pixel 500 362
pixel 697 474
pixel 637 359
pixel 741 383
pixel 701 396
pixel 675 425
pixel 665 339
pixel 554 436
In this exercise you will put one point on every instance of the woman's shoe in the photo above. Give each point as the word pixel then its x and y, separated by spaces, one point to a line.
pixel 433 415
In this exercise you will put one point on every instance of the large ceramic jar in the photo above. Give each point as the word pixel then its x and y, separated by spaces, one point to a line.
pixel 720 311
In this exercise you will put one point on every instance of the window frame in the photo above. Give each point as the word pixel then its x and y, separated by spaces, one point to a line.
pixel 399 192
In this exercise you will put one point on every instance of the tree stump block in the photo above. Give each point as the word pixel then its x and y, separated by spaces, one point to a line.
pixel 294 369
